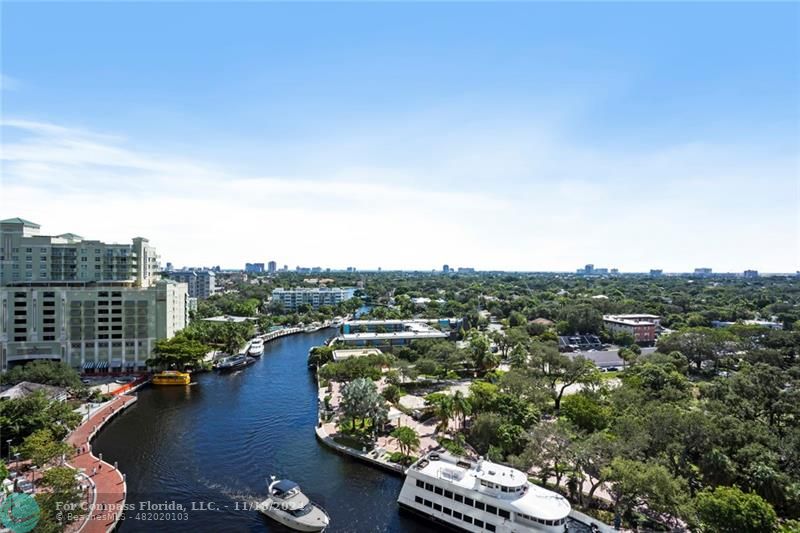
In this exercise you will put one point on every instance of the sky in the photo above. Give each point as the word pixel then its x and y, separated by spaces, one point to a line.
pixel 498 136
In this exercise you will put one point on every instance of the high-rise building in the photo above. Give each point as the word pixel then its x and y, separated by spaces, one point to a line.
pixel 254 268
pixel 446 269
pixel 656 272
pixel 315 297
pixel 272 266
pixel 86 303
pixel 702 271
pixel 751 273
pixel 201 284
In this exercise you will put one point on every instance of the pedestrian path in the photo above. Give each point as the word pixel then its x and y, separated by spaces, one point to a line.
pixel 109 484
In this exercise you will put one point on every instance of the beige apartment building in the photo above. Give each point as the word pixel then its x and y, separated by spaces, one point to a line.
pixel 93 305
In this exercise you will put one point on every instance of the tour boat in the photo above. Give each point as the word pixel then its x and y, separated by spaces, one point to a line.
pixel 235 362
pixel 172 377
pixel 256 348
pixel 289 506
pixel 480 496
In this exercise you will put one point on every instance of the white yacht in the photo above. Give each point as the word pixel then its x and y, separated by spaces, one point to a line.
pixel 480 496
pixel 256 348
pixel 289 506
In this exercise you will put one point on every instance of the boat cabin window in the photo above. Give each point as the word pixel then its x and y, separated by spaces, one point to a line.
pixel 503 513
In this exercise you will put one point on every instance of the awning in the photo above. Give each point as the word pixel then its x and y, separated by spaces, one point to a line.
pixel 130 364
pixel 116 363
pixel 88 365
pixel 102 365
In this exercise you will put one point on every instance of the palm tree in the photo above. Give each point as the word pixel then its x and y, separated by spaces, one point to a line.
pixel 407 439
pixel 444 412
pixel 461 408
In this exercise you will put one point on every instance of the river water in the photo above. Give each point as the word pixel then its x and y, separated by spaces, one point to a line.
pixel 214 444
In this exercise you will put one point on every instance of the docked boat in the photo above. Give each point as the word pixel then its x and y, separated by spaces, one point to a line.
pixel 172 377
pixel 256 348
pixel 313 327
pixel 480 496
pixel 235 362
pixel 287 504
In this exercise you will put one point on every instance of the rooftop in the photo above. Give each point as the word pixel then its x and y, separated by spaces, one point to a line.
pixel 22 221
pixel 26 388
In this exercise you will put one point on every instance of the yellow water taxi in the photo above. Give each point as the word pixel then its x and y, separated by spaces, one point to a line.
pixel 172 377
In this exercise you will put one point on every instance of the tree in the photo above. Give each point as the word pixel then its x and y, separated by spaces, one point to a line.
pixel 179 352
pixel 392 393
pixel 462 408
pixel 482 357
pixel 42 447
pixel 64 494
pixel 53 373
pixel 699 344
pixel 407 439
pixel 559 371
pixel 729 510
pixel 585 412
pixel 634 483
pixel 360 400
pixel 21 417
pixel 3 470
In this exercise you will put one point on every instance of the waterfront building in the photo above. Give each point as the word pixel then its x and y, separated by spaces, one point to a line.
pixel 641 326
pixel 396 332
pixel 480 496
pixel 201 284
pixel 291 299
pixel 86 303
pixel 254 268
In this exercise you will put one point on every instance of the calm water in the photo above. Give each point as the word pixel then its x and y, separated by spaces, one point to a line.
pixel 216 443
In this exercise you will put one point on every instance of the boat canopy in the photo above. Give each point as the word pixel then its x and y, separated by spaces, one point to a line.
pixel 284 485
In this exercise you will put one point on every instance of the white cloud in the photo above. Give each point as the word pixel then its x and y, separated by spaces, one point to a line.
pixel 490 198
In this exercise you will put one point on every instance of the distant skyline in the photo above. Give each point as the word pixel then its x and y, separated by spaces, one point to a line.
pixel 503 136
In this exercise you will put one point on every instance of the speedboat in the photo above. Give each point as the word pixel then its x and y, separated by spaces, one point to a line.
pixel 256 348
pixel 288 505
pixel 236 362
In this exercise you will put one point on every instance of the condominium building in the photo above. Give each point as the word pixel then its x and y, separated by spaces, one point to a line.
pixel 87 303
pixel 642 327
pixel 315 297
pixel 272 267
pixel 254 268
pixel 201 283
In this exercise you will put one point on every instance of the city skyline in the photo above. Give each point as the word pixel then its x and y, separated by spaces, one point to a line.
pixel 493 137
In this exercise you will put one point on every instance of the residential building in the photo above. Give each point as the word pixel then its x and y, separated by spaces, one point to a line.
pixel 272 267
pixel 641 326
pixel 86 303
pixel 253 268
pixel 466 270
pixel 702 271
pixel 446 269
pixel 751 273
pixel 315 297
pixel 655 273
pixel 201 284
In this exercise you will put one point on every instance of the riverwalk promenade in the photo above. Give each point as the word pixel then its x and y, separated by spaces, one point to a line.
pixel 110 489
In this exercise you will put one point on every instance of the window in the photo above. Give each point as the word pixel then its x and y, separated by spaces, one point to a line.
pixel 49 337
pixel 456 515
pixel 458 498
pixel 447 510
pixel 19 339
pixel 467 519
pixel 491 509
pixel 19 321
pixel 479 523
pixel 504 513
pixel 479 505
pixel 429 487
pixel 490 527
pixel 427 503
pixel 437 507
pixel 448 494
pixel 468 501
pixel 420 483
pixel 417 499
pixel 438 490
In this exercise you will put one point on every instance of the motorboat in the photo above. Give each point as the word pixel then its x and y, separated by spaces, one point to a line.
pixel 256 348
pixel 287 504
pixel 235 362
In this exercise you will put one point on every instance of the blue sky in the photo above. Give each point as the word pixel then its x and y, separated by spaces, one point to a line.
pixel 407 135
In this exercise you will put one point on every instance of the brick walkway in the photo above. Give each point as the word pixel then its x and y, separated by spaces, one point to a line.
pixel 110 487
